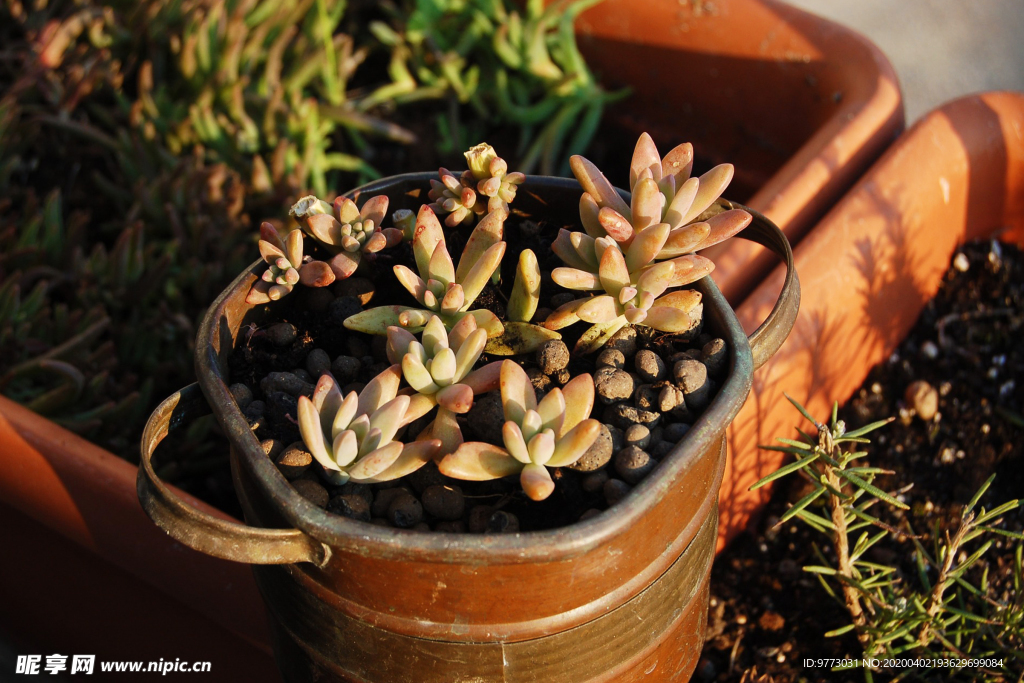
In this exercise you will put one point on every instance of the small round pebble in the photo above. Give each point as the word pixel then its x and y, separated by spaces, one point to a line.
pixel 675 431
pixel 405 511
pixel 272 447
pixel 538 379
pixel 611 358
pixel 351 506
pixel 923 398
pixel 345 369
pixel 285 382
pixel 444 502
pixel 486 418
pixel 303 375
pixel 622 415
pixel 599 453
pixel 281 406
pixel 615 490
pixel 541 314
pixel 294 460
pixel 424 478
pixel 343 308
pixel 692 378
pixel 624 340
pixel 356 347
pixel 669 398
pixel 715 354
pixel 354 488
pixel 647 397
pixel 615 387
pixel 311 491
pixel 317 363
pixel 633 464
pixel 552 356
pixel 282 334
pixel 502 522
pixel 638 435
pixel 649 366
pixel 382 500
pixel 242 394
pixel 478 517
pixel 562 377
pixel 358 287
pixel 660 449
pixel 255 410
pixel 594 481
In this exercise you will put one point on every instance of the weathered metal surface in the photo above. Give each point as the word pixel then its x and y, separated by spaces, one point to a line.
pixel 390 604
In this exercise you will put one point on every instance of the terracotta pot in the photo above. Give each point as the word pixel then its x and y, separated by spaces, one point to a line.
pixel 869 268
pixel 531 606
pixel 800 105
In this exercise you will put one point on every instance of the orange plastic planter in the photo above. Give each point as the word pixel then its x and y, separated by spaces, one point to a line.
pixel 801 106
pixel 870 266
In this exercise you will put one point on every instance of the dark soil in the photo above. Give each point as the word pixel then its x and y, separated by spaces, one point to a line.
pixel 767 614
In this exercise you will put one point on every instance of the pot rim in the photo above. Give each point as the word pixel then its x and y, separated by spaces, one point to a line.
pixel 347 535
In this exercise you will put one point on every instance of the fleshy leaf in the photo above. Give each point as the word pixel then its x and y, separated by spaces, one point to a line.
pixel 600 309
pixel 616 225
pixel 375 209
pixel 598 335
pixel 668 319
pixel 614 274
pixel 678 163
pixel 477 461
pixel 689 269
pixel 316 274
pixel 441 267
pixel 564 249
pixel 723 226
pixel 525 297
pixel 313 434
pixel 414 456
pixel 376 462
pixel 488 232
pixel 519 338
pixel 683 299
pixel 325 228
pixel 571 278
pixel 457 398
pixel 552 409
pixel 589 216
pixel 595 184
pixel 564 315
pixel 645 157
pixel 712 185
pixel 575 443
pixel 579 402
pixel 536 482
pixel 380 390
pixel 645 246
pixel 684 240
pixel 399 340
pixel 427 235
pixel 517 395
pixel 376 320
pixel 344 263
pixel 647 204
pixel 480 272
pixel 487 378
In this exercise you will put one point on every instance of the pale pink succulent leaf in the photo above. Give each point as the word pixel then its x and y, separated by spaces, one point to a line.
pixel 525 297
pixel 616 225
pixel 468 353
pixel 681 202
pixel 572 278
pixel 678 163
pixel 477 461
pixel 646 245
pixel 434 337
pixel 325 228
pixel 723 226
pixel 392 236
pixel 375 242
pixel 536 482
pixel 689 269
pixel 684 299
pixel 414 456
pixel 344 263
pixel 453 299
pixel 417 375
pixel 645 158
pixel 375 209
pixel 428 233
pixel 482 380
pixel 380 390
pixel 614 274
pixel 542 447
pixel 270 252
pixel 441 267
pixel 514 442
pixel 419 405
pixel 457 398
pixel 399 340
pixel 388 418
pixel 648 204
pixel 259 293
pixel 600 309
pixel 712 185
pixel 376 320
pixel 564 315
pixel 684 240
pixel 446 429
pixel 316 274
pixel 563 248
pixel 579 402
pixel 519 338
pixel 586 248
pixel 376 462
pixel 313 434
pixel 575 443
pixel 487 321
pixel 480 273
pixel 346 210
pixel 412 282
pixel 324 384
pixel 657 278
pixel 488 232
pixel 552 409
pixel 346 448
pixel 590 216
pixel 635 316
pixel 595 184
pixel 344 415
pixel 460 331
pixel 270 235
pixel 668 319
pixel 517 395
pixel 442 367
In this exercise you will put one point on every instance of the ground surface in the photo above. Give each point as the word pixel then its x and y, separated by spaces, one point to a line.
pixel 766 612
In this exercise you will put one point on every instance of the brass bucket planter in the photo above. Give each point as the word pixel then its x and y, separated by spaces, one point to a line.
pixel 620 597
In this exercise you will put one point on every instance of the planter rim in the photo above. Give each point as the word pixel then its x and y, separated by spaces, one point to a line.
pixel 359 537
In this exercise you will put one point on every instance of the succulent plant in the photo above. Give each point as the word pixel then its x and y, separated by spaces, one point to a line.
pixel 286 266
pixel 662 191
pixel 441 289
pixel 487 175
pixel 345 229
pixel 554 432
pixel 520 335
pixel 440 370
pixel 353 437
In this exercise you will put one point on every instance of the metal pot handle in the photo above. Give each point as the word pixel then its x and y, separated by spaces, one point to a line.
pixel 768 338
pixel 199 530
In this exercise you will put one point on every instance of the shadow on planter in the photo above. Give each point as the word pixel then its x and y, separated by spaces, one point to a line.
pixel 801 106
pixel 869 268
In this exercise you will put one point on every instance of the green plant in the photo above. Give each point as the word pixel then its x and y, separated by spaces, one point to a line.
pixel 353 437
pixel 938 609
pixel 554 432
pixel 518 65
